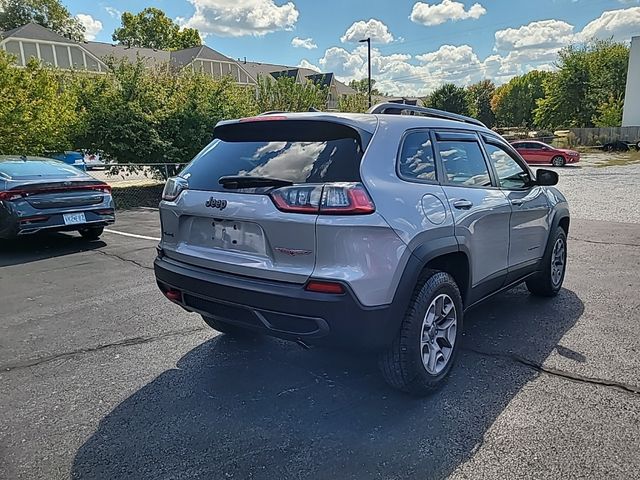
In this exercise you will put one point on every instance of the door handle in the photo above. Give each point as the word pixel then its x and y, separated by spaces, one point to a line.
pixel 517 202
pixel 462 204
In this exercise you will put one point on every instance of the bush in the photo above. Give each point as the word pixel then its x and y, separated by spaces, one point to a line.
pixel 138 114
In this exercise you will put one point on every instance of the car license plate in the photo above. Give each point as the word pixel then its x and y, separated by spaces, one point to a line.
pixel 74 218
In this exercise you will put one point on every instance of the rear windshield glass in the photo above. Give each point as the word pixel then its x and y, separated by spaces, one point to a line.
pixel 37 169
pixel 284 152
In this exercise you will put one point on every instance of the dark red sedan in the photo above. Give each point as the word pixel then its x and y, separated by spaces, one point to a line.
pixel 539 152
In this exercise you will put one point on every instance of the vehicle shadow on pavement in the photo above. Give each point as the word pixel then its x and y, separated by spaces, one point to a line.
pixel 41 246
pixel 268 409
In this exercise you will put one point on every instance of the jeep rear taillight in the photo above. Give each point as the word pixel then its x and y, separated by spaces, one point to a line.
pixel 298 199
pixel 346 199
pixel 328 199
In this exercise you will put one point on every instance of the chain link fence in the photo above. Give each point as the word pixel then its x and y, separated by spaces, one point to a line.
pixel 136 185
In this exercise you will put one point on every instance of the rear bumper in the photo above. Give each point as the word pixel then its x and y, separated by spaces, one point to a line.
pixel 13 225
pixel 280 309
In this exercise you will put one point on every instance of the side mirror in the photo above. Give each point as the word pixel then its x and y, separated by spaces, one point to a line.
pixel 546 178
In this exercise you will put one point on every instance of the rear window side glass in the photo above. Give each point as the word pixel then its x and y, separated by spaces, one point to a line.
pixel 417 160
pixel 464 163
pixel 285 152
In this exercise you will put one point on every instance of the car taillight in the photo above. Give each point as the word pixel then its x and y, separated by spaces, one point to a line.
pixel 10 195
pixel 298 199
pixel 346 199
pixel 173 188
pixel 329 199
pixel 104 188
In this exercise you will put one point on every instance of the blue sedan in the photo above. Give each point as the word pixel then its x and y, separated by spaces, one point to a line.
pixel 41 194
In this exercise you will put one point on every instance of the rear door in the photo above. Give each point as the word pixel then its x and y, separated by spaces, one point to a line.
pixel 260 231
pixel 481 211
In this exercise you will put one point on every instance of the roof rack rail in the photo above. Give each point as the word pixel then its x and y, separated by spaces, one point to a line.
pixel 272 112
pixel 398 108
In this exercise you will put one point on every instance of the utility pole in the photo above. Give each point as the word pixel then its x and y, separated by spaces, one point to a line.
pixel 368 41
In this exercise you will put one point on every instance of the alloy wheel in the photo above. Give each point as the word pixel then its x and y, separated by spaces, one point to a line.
pixel 438 334
pixel 558 261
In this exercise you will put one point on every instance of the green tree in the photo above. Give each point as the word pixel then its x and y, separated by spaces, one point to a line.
pixel 609 113
pixel 479 97
pixel 135 114
pixel 37 114
pixel 285 94
pixel 357 103
pixel 449 98
pixel 362 86
pixel 48 13
pixel 151 28
pixel 514 103
pixel 589 76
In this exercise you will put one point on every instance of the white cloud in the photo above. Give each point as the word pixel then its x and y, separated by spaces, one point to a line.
pixel 91 25
pixel 303 43
pixel 373 28
pixel 233 18
pixel 304 63
pixel 619 24
pixel 113 12
pixel 444 11
pixel 518 50
pixel 542 34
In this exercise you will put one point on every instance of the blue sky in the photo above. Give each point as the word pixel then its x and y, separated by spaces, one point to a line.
pixel 418 44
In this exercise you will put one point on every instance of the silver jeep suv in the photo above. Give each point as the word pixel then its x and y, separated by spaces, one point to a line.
pixel 374 231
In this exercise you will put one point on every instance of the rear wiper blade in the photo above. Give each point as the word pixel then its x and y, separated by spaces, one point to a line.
pixel 239 181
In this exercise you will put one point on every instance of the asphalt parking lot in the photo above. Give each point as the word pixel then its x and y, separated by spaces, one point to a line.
pixel 101 377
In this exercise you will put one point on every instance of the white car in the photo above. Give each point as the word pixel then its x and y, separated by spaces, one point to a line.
pixel 93 160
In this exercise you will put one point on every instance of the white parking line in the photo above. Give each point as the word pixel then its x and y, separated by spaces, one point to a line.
pixel 125 234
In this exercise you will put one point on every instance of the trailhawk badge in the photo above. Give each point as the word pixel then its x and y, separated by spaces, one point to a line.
pixel 214 203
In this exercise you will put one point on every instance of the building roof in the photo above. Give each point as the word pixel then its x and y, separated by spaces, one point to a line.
pixel 292 73
pixel 344 89
pixel 184 57
pixel 33 31
pixel 256 68
pixel 104 50
pixel 323 79
pixel 179 58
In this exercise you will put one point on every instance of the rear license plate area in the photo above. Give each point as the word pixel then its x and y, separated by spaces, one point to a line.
pixel 74 218
pixel 228 235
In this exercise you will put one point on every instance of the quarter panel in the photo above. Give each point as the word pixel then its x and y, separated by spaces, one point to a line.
pixel 362 251
pixel 418 212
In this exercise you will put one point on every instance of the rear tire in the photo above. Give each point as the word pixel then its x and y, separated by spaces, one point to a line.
pixel 91 233
pixel 425 348
pixel 548 282
pixel 558 161
pixel 229 329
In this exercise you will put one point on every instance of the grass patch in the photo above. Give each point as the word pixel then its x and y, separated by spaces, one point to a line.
pixel 617 159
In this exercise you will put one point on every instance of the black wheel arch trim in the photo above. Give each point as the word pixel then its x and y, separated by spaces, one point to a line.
pixel 419 259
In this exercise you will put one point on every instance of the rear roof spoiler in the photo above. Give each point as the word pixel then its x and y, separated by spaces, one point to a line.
pixel 399 108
